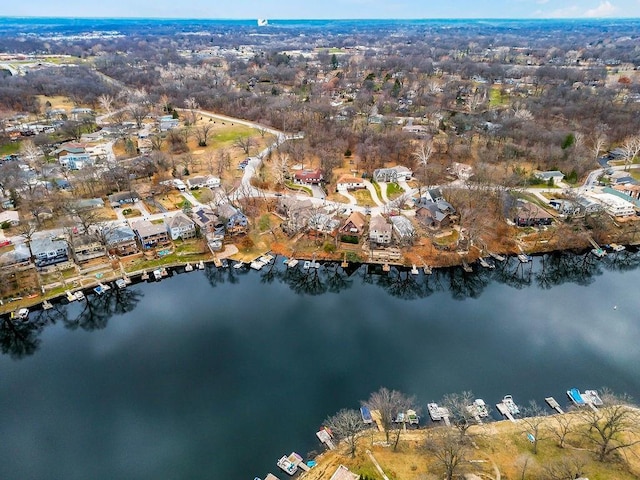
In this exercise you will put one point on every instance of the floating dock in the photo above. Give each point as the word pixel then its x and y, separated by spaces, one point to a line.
pixel 438 413
pixel 70 296
pixel 46 305
pixel 524 258
pixel 414 269
pixel 292 262
pixel 217 262
pixel 325 437
pixel 505 412
pixel 188 267
pixel 497 256
pixel 486 264
pixel 553 404
pixel 466 267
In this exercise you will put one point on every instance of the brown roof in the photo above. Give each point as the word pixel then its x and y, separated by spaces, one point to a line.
pixel 357 219
pixel 309 175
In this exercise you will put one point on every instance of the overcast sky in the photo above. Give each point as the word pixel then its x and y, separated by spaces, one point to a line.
pixel 326 9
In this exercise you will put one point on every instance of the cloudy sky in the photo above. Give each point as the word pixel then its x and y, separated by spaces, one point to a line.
pixel 329 9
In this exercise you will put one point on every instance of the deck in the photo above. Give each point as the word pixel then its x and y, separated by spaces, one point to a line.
pixel 553 404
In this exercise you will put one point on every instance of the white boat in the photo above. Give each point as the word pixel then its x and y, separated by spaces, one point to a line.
pixel 157 274
pixel 598 252
pixel 266 259
pixel 70 296
pixel 511 405
pixel 306 265
pixel 79 295
pixel 287 465
pixel 238 265
pixel 121 283
pixel 480 408
pixel 414 269
pixel 263 22
pixel 256 264
pixel 21 314
pixel 524 258
pixel 617 248
pixel 201 265
pixel 292 262
pixel 435 412
pixel 188 267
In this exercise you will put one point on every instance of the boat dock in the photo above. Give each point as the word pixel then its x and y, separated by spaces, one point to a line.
pixel 466 267
pixel 70 296
pixel 344 263
pixel 438 413
pixel 325 437
pixel 46 305
pixel 486 264
pixel 553 404
pixel 414 269
pixel 366 414
pixel 497 256
pixel 505 412
pixel 217 262
pixel 292 262
pixel 524 258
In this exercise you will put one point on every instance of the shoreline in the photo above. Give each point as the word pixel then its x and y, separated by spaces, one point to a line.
pixel 87 284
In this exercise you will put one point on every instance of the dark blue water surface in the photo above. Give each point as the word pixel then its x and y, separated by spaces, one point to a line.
pixel 216 374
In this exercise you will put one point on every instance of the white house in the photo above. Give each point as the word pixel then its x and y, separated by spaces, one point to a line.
pixel 380 230
pixel 201 182
pixel 349 182
pixel 393 174
pixel 181 226
pixel 614 206
pixel 10 216
pixel 75 161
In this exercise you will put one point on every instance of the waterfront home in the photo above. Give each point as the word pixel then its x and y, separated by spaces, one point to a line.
pixel 349 182
pixel 181 226
pixel 380 231
pixel 150 235
pixel 531 215
pixel 354 225
pixel 122 198
pixel 460 170
pixel 629 189
pixel 613 205
pixel 403 230
pixel 434 216
pixel 588 205
pixel 309 177
pixel 19 257
pixel 321 223
pixel 296 214
pixel 624 195
pixel 87 247
pixel 121 241
pixel 395 174
pixel 207 221
pixel 565 207
pixel 433 195
pixel 10 217
pixel 48 251
pixel 236 221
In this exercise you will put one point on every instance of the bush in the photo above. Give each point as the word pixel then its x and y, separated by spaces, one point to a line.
pixel 329 247
pixel 349 239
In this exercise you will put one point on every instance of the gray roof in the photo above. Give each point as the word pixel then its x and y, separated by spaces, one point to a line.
pixel 403 226
pixel 146 229
pixel 119 235
pixel 179 220
pixel 46 244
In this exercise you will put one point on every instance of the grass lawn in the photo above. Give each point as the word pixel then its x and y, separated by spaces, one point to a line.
pixel 363 197
pixel 9 148
pixel 497 98
pixel 302 188
pixel 394 191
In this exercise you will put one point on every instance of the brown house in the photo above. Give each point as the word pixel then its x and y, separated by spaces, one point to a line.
pixel 354 225
pixel 309 177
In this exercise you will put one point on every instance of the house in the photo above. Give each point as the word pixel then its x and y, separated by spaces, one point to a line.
pixel 14 258
pixel 122 198
pixel 588 205
pixel 207 221
pixel 296 213
pixel 181 226
pixel 87 247
pixel 354 225
pixel 322 223
pixel 309 177
pixel 393 174
pixel 9 217
pixel 235 221
pixel 121 241
pixel 7 203
pixel 434 216
pixel 433 195
pixel 380 231
pixel 49 251
pixel 565 207
pixel 150 235
pixel 631 190
pixel 75 161
pixel 553 176
pixel 418 130
pixel 343 473
pixel 167 122
pixel 349 182
pixel 531 215
pixel 201 182
pixel 88 204
pixel 403 230
pixel 70 148
pixel 613 205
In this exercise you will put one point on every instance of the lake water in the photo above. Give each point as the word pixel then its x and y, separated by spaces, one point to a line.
pixel 216 374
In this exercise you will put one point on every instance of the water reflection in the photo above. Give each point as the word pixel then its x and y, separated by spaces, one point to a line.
pixel 20 339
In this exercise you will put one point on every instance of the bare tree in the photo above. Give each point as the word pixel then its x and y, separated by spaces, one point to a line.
pixel 460 414
pixel 244 143
pixel 106 103
pixel 614 427
pixel 281 168
pixel 192 105
pixel 561 427
pixel 389 403
pixel 346 425
pixel 630 149
pixel 568 467
pixel 534 423
pixel 27 230
pixel 423 154
pixel 138 112
pixel 202 133
pixel 449 450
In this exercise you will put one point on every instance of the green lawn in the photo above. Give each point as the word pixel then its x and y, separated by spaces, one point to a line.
pixel 496 98
pixel 363 197
pixel 394 191
pixel 10 148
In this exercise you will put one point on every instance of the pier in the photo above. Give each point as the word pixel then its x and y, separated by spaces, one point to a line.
pixel 504 411
pixel 553 404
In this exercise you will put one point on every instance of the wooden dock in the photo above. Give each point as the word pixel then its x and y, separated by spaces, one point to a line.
pixel 486 264
pixel 414 269
pixel 466 267
pixel 217 262
pixel 497 256
pixel 553 404
pixel 386 267
pixel 324 436
pixel 504 411
pixel 344 263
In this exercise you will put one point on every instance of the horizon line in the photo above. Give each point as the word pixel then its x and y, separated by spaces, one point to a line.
pixel 116 17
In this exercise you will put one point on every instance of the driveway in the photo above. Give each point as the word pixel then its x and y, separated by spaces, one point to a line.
pixel 318 192
pixel 348 196
pixel 373 192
